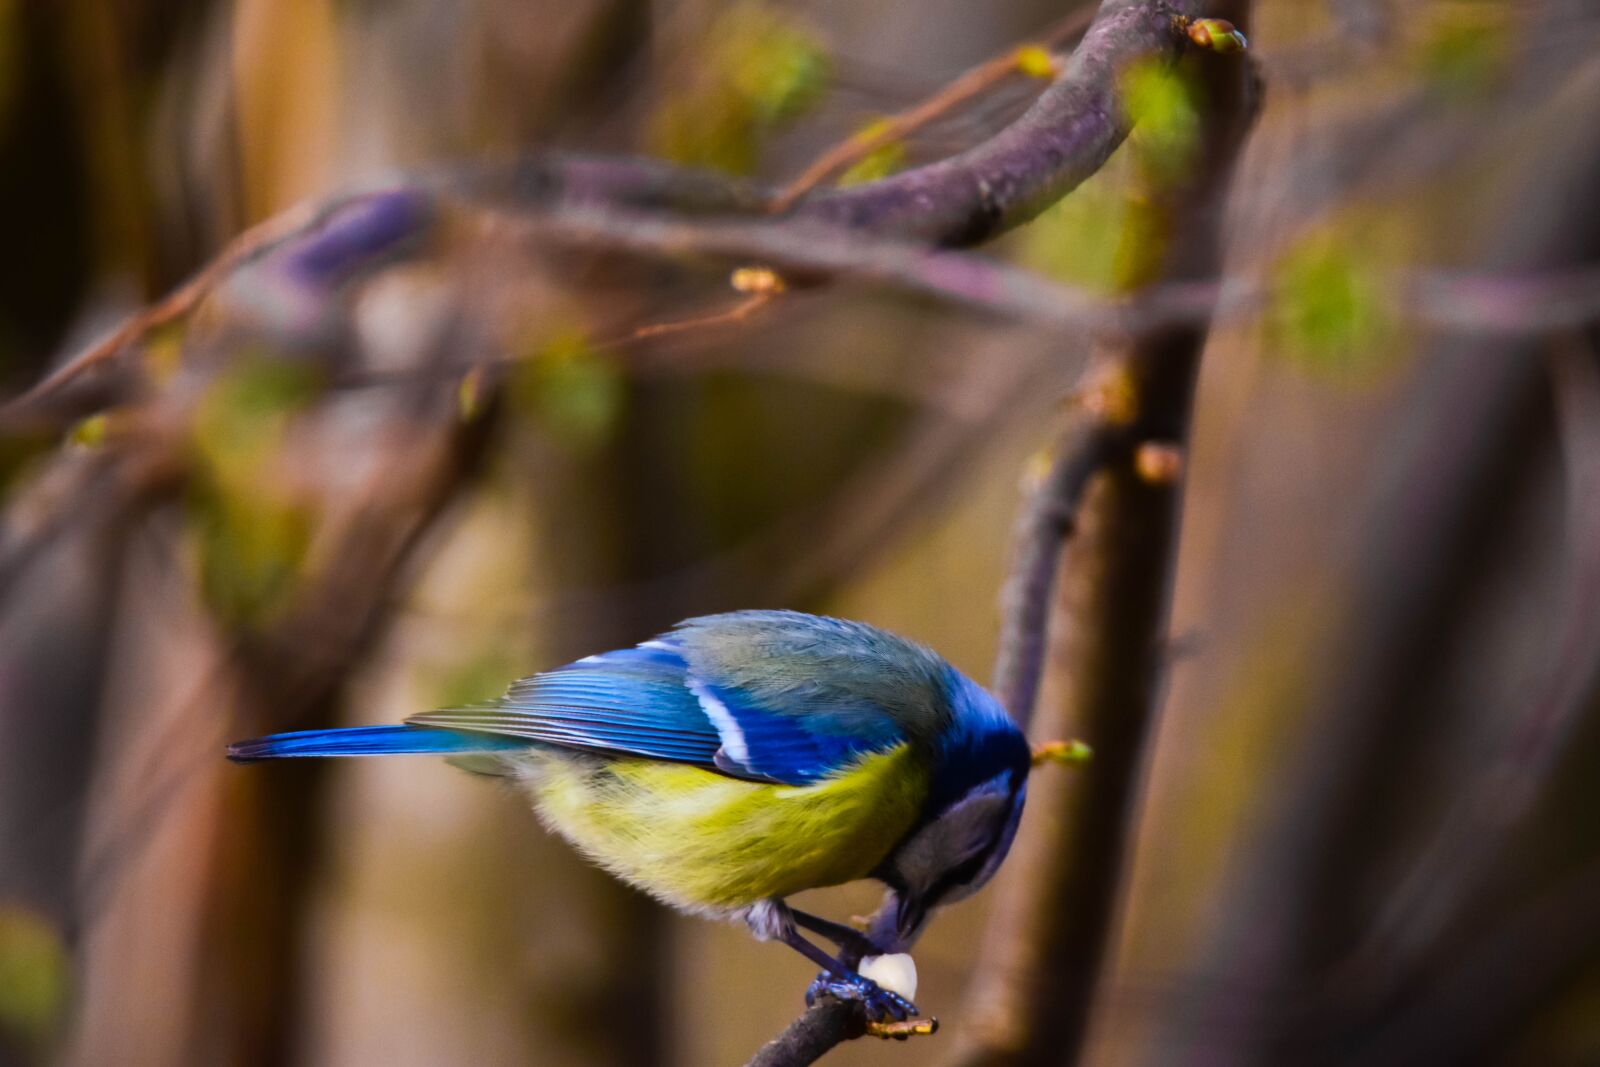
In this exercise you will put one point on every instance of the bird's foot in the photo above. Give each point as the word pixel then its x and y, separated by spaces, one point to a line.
pixel 880 1004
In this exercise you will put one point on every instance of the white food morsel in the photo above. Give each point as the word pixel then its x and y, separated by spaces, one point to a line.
pixel 897 973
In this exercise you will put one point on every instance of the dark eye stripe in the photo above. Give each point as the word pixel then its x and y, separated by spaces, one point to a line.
pixel 959 875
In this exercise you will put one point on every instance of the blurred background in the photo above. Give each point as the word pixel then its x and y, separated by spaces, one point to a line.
pixel 1367 820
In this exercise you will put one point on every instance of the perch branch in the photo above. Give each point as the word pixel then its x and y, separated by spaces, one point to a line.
pixel 819 1028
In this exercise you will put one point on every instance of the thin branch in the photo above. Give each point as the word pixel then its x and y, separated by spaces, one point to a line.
pixel 1062 139
pixel 901 125
pixel 1538 302
pixel 733 316
pixel 808 250
pixel 1068 133
pixel 174 306
pixel 1087 444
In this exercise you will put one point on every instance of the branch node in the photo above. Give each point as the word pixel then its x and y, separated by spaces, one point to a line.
pixel 1036 61
pixel 1072 753
pixel 1158 462
pixel 759 281
pixel 1212 35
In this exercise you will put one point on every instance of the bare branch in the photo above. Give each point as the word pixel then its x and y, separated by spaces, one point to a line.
pixel 1063 138
pixel 819 1028
pixel 1087 444
pixel 1091 612
pixel 973 82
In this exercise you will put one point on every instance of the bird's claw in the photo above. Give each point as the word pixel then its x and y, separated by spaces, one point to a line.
pixel 878 1002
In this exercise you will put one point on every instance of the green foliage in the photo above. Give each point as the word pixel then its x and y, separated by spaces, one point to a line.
pixel 1110 235
pixel 757 69
pixel 90 432
pixel 1036 61
pixel 251 533
pixel 879 163
pixel 1162 104
pixel 1466 48
pixel 34 980
pixel 1084 238
pixel 1328 309
pixel 574 393
pixel 479 678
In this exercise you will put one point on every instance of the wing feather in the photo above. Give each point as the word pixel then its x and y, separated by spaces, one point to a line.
pixel 652 702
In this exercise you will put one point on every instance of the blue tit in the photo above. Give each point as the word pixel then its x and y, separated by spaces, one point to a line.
pixel 741 758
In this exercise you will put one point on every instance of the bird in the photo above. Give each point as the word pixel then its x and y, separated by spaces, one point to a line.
pixel 740 758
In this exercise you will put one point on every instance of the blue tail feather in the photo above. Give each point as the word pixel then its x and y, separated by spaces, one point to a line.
pixel 371 741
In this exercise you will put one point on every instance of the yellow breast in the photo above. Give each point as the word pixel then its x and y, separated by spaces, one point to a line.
pixel 704 841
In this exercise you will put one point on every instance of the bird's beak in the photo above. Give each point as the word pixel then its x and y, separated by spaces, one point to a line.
pixel 908 919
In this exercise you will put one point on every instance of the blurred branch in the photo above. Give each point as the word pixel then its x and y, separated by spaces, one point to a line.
pixel 1305 857
pixel 1089 613
pixel 179 303
pixel 807 250
pixel 1071 129
pixel 378 499
pixel 1063 138
pixel 1475 833
pixel 1499 979
pixel 1103 655
pixel 1089 442
pixel 1541 302
pixel 899 126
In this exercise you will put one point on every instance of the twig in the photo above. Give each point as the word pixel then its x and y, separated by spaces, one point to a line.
pixel 1532 303
pixel 175 305
pixel 740 312
pixel 1063 138
pixel 1068 133
pixel 1087 444
pixel 897 127
pixel 810 250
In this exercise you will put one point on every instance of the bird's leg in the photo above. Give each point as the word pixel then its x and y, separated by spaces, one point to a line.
pixel 853 944
pixel 773 920
pixel 837 980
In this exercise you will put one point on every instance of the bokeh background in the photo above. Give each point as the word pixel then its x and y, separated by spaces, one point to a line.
pixel 1368 828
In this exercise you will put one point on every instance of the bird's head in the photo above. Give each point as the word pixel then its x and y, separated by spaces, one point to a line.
pixel 979 783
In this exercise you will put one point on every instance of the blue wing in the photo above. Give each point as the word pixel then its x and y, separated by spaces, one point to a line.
pixel 648 702
pixel 370 741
